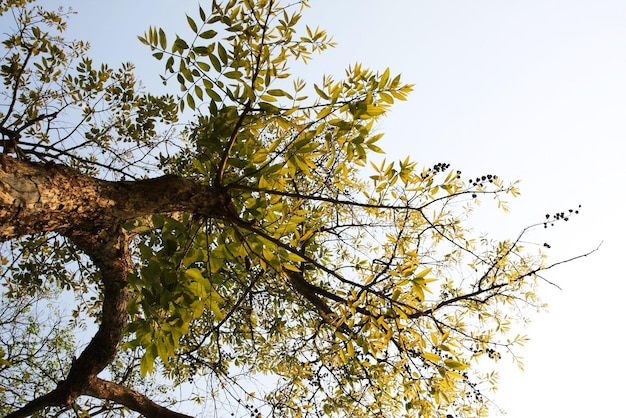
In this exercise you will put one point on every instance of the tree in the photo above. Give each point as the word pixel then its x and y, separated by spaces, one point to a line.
pixel 263 248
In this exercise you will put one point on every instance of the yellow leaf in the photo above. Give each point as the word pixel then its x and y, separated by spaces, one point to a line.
pixel 455 375
pixel 423 273
pixel 288 266
pixel 350 349
pixel 431 357
pixel 324 112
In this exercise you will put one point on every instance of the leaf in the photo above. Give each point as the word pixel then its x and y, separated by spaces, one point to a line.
pixel 163 351
pixel 203 66
pixel 162 39
pixel 221 51
pixel 191 102
pixel 215 62
pixel 321 92
pixel 431 357
pixel 197 308
pixel 215 308
pixel 234 75
pixel 192 24
pixel 269 108
pixel 423 273
pixel 208 34
pixel 373 110
pixel 457 365
pixel 350 348
pixel 384 78
pixel 194 274
pixel 291 267
pixel 146 365
pixel 278 93
pixel 179 45
pixel 455 375
pixel 295 258
pixel 324 112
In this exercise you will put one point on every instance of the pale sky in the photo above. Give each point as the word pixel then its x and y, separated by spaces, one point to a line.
pixel 531 90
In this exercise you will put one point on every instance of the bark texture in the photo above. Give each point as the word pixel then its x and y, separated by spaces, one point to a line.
pixel 53 198
pixel 38 197
pixel 133 400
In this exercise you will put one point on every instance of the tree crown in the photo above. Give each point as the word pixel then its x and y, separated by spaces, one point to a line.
pixel 274 245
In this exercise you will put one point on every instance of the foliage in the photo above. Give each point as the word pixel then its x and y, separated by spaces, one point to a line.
pixel 36 346
pixel 59 105
pixel 354 282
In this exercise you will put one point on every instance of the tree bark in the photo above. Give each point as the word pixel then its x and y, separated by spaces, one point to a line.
pixel 37 197
pixel 136 401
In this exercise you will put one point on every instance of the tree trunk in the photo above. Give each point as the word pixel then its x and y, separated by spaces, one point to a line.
pixel 38 197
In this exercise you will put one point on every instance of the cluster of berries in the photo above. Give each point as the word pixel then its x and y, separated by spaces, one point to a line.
pixel 550 219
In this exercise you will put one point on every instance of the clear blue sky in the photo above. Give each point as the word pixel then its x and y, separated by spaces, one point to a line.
pixel 532 90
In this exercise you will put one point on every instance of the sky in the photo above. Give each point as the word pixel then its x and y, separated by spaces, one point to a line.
pixel 529 90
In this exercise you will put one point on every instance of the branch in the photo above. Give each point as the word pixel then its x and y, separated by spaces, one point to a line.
pixel 131 399
pixel 336 201
pixel 110 253
pixel 16 87
pixel 310 292
pixel 36 405
pixel 36 197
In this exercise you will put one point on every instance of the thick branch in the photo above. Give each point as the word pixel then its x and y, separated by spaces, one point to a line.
pixel 110 253
pixel 310 292
pixel 131 399
pixel 37 197
pixel 112 257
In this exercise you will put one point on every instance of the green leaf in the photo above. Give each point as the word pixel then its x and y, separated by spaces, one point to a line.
pixel 208 34
pixel 215 62
pixel 191 102
pixel 277 92
pixel 221 51
pixel 203 66
pixel 214 95
pixel 163 350
pixel 234 75
pixel 146 365
pixel 192 24
pixel 179 45
pixel 324 112
pixel 198 91
pixel 215 308
pixel 151 272
pixel 269 108
pixel 162 39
